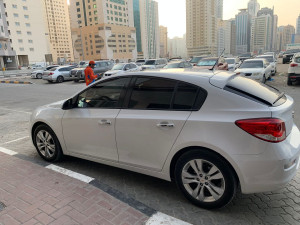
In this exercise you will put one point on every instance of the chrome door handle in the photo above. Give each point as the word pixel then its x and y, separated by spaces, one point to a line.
pixel 104 122
pixel 165 125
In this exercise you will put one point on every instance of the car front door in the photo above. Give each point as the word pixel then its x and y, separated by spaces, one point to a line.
pixel 89 128
pixel 147 129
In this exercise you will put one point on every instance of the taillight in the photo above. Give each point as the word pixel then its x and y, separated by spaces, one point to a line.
pixel 267 129
pixel 50 74
pixel 293 64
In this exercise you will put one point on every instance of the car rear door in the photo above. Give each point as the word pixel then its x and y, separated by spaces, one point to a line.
pixel 149 125
pixel 89 128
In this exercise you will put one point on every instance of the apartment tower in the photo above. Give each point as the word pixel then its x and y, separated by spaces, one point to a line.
pixel 103 29
pixel 7 54
pixel 28 30
pixel 243 31
pixel 163 31
pixel 298 25
pixel 201 27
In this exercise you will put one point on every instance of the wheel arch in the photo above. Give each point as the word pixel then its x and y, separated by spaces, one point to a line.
pixel 189 148
pixel 38 123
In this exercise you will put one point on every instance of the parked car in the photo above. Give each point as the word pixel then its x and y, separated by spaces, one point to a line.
pixel 58 74
pixel 178 64
pixel 122 68
pixel 280 55
pixel 195 59
pixel 100 68
pixel 209 63
pixel 257 69
pixel 272 60
pixel 288 55
pixel 209 132
pixel 294 69
pixel 270 53
pixel 39 73
pixel 155 64
pixel 233 63
pixel 140 62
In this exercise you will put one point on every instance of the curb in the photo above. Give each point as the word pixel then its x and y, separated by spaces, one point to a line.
pixel 14 82
pixel 155 217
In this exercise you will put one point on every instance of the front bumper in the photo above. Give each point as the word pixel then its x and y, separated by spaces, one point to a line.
pixel 272 169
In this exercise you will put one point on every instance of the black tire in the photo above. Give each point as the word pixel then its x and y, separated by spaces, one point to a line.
pixel 226 185
pixel 39 76
pixel 60 79
pixel 51 151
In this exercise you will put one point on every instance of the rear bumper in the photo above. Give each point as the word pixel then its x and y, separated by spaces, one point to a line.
pixel 272 169
pixel 46 77
pixel 293 76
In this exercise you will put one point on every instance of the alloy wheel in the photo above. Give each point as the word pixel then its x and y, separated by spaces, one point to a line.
pixel 203 180
pixel 45 143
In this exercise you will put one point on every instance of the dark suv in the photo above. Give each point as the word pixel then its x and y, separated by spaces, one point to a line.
pixel 100 68
pixel 288 55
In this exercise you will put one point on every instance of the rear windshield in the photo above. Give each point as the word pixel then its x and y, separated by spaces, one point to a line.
pixel 255 91
pixel 150 62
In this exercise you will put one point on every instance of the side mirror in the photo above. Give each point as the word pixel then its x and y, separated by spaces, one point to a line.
pixel 68 104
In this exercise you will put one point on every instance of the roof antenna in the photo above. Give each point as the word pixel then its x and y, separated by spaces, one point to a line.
pixel 217 60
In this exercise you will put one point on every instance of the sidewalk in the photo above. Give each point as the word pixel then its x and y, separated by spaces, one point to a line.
pixel 33 194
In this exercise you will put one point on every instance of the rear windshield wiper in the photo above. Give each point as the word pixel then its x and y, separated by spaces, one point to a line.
pixel 279 97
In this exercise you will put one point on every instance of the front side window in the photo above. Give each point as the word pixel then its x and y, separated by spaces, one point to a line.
pixel 104 95
pixel 152 93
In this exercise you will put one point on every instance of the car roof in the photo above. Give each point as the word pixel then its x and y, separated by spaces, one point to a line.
pixel 255 59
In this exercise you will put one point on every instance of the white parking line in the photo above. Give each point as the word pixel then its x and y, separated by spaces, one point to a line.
pixel 16 140
pixel 163 219
pixel 7 151
pixel 70 173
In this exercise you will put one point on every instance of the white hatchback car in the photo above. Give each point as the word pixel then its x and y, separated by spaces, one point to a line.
pixel 209 132
pixel 257 69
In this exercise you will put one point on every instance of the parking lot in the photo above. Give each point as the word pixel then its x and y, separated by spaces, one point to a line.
pixel 279 207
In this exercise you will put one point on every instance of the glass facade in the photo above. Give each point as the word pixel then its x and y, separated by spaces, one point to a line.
pixel 137 24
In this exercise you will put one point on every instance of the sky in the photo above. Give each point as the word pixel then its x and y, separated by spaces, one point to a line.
pixel 172 12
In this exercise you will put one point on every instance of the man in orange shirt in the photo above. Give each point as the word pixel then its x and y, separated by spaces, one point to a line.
pixel 90 77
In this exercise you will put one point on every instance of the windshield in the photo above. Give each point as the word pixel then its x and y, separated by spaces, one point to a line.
pixel 269 58
pixel 172 65
pixel 118 67
pixel 195 59
pixel 207 62
pixel 84 65
pixel 230 61
pixel 252 64
pixel 150 62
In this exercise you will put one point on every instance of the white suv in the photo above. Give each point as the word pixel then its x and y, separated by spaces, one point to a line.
pixel 209 132
pixel 294 69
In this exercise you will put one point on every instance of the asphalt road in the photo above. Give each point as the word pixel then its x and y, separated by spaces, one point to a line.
pixel 280 207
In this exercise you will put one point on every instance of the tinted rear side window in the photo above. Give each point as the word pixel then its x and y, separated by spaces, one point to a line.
pixel 255 91
pixel 152 93
pixel 185 96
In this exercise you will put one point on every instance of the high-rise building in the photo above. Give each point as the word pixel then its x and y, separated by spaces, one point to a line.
pixel 147 25
pixel 274 19
pixel 220 9
pixel 7 54
pixel 243 32
pixel 284 36
pixel 177 47
pixel 163 32
pixel 201 27
pixel 262 33
pixel 224 37
pixel 103 29
pixel 298 25
pixel 253 7
pixel 28 30
pixel 59 30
